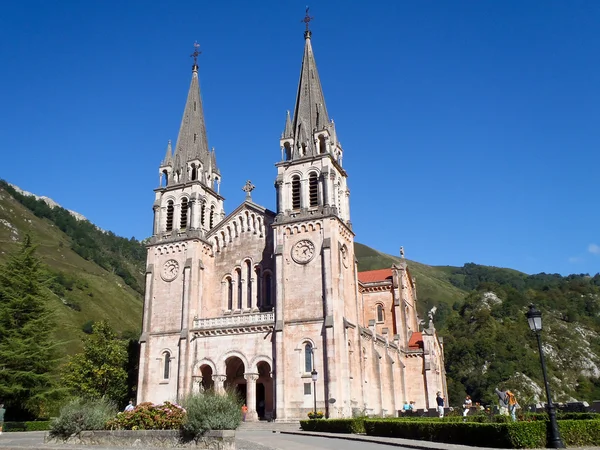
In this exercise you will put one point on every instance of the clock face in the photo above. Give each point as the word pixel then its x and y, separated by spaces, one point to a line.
pixel 303 251
pixel 170 270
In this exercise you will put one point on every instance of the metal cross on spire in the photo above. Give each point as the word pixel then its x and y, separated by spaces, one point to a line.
pixel 248 188
pixel 196 53
pixel 307 20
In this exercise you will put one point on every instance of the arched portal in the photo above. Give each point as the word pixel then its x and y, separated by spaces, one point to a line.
pixel 264 391
pixel 235 376
pixel 207 380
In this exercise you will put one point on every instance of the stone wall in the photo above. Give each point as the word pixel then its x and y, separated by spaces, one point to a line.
pixel 213 440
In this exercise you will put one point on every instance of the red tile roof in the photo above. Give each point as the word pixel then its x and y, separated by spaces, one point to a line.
pixel 416 340
pixel 373 276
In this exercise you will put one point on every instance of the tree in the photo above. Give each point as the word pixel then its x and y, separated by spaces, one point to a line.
pixel 99 371
pixel 27 355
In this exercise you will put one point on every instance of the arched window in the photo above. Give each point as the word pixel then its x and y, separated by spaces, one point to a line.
pixel 313 189
pixel 170 210
pixel 379 312
pixel 166 365
pixel 322 145
pixel 303 151
pixel 202 212
pixel 212 217
pixel 288 151
pixel 258 287
pixel 194 172
pixel 238 274
pixel 184 214
pixel 229 293
pixel 249 284
pixel 164 178
pixel 308 357
pixel 295 192
pixel 268 289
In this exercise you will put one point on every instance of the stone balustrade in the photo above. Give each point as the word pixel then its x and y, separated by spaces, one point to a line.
pixel 235 323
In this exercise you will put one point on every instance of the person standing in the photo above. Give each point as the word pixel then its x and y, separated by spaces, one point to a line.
pixel 130 406
pixel 440 405
pixel 502 402
pixel 512 405
pixel 244 412
pixel 467 405
pixel 2 412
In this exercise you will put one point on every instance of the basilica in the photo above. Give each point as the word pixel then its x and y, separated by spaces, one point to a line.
pixel 271 303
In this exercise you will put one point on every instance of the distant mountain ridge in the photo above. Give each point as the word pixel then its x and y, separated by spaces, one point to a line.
pixel 479 310
pixel 51 203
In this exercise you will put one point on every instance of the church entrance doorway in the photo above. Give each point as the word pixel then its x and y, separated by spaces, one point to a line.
pixel 264 391
pixel 235 380
pixel 207 380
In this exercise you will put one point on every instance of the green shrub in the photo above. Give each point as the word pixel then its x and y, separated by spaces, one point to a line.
pixel 80 415
pixel 501 435
pixel 41 425
pixel 560 416
pixel 211 411
pixel 578 433
pixel 356 425
pixel 524 434
pixel 148 416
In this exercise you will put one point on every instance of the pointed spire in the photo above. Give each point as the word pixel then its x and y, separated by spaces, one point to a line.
pixel 310 113
pixel 192 143
pixel 213 162
pixel 168 161
pixel 288 130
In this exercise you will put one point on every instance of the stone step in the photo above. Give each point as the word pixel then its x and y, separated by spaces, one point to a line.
pixel 266 426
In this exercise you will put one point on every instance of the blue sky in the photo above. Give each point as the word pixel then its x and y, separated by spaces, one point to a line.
pixel 470 128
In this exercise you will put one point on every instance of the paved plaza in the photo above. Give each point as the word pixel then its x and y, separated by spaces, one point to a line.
pixel 263 440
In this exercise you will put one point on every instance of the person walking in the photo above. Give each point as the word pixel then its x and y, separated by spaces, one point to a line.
pixel 244 412
pixel 512 405
pixel 2 412
pixel 502 402
pixel 440 405
pixel 467 405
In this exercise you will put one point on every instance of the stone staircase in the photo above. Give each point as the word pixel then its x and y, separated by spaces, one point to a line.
pixel 263 425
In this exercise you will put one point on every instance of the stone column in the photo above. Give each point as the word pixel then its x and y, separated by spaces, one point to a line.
pixel 219 381
pixel 279 189
pixel 252 415
pixel 196 384
pixel 325 188
pixel 156 228
pixel 191 213
pixel 304 201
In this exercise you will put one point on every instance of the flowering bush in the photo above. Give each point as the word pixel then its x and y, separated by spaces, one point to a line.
pixel 148 416
pixel 316 415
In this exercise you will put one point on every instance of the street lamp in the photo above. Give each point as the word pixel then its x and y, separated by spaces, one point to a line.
pixel 314 375
pixel 534 317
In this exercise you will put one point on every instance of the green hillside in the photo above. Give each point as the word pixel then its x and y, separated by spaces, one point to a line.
pixel 83 291
pixel 433 283
pixel 479 309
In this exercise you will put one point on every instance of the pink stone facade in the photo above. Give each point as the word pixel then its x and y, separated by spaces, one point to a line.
pixel 261 301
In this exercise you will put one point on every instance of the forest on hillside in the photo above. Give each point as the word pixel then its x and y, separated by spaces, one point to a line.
pixel 124 257
pixel 488 343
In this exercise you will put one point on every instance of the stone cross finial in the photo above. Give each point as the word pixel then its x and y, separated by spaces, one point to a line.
pixel 248 188
pixel 306 21
pixel 196 53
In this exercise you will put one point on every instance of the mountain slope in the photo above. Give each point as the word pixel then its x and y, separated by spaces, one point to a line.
pixel 83 291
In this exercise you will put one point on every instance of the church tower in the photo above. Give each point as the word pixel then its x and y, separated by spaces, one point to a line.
pixel 187 207
pixel 316 296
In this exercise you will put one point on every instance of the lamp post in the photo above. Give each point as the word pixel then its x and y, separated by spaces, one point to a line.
pixel 534 317
pixel 314 375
